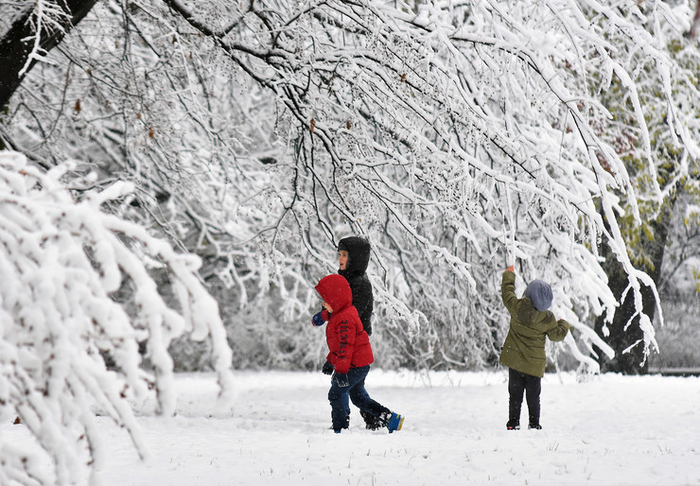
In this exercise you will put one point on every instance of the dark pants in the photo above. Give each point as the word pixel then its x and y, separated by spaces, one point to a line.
pixel 517 384
pixel 340 399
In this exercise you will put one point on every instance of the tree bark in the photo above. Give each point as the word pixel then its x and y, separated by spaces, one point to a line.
pixel 17 42
pixel 696 22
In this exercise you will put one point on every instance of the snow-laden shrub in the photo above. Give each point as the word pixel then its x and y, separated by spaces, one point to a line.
pixel 60 261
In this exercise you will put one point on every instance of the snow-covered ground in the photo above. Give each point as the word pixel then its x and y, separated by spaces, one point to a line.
pixel 608 430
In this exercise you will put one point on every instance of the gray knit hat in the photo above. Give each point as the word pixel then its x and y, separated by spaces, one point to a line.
pixel 540 293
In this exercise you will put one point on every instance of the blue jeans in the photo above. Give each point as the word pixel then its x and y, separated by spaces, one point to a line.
pixel 340 398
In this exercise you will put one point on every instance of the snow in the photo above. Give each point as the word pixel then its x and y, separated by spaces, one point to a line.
pixel 608 430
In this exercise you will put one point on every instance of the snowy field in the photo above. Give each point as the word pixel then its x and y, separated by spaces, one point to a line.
pixel 609 430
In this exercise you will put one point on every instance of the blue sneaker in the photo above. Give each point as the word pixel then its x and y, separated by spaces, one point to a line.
pixel 395 422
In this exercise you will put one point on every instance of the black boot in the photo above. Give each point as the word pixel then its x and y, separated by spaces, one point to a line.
pixel 513 416
pixel 372 422
pixel 340 422
pixel 534 419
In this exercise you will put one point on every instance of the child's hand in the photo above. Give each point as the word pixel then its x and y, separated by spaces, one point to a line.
pixel 342 380
pixel 317 320
pixel 510 269
pixel 327 368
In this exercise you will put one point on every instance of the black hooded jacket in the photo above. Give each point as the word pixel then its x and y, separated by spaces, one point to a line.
pixel 358 250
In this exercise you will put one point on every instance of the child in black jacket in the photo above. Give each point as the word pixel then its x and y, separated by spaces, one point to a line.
pixel 353 259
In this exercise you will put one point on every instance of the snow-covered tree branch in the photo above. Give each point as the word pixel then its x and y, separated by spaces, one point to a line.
pixel 458 137
pixel 62 260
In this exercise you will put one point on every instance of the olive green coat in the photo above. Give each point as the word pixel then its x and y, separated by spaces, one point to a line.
pixel 523 349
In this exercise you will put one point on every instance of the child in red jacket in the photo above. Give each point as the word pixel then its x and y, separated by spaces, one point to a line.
pixel 353 259
pixel 350 355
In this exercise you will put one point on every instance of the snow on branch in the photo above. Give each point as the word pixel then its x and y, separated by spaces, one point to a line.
pixel 461 136
pixel 456 136
pixel 61 260
pixel 47 18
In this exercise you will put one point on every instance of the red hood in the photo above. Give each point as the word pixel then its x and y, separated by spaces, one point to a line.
pixel 335 290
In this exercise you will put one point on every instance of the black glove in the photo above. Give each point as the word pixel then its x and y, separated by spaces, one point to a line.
pixel 317 320
pixel 327 368
pixel 342 380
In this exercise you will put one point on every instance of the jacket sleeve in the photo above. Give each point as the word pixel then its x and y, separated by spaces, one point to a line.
pixel 362 300
pixel 558 333
pixel 362 295
pixel 508 292
pixel 346 339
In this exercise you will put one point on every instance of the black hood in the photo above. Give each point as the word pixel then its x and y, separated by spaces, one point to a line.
pixel 358 249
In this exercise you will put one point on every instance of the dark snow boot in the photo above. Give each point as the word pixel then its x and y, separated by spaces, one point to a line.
pixel 340 421
pixel 372 422
pixel 513 425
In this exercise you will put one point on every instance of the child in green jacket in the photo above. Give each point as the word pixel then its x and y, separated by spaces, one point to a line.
pixel 523 350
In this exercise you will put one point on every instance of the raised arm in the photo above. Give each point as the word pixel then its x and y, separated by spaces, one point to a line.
pixel 508 289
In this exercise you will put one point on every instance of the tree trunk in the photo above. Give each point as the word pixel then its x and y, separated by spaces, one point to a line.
pixel 624 331
pixel 17 43
pixel 696 22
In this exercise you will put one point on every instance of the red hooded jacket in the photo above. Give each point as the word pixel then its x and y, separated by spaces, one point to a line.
pixel 348 343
